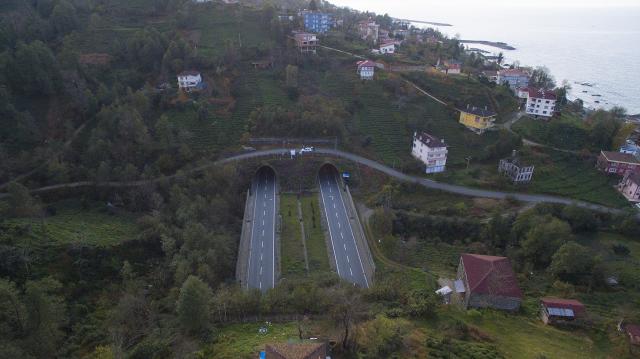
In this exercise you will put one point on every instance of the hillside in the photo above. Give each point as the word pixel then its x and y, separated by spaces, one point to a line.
pixel 89 92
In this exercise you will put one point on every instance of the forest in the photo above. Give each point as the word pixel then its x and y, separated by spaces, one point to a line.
pixel 88 94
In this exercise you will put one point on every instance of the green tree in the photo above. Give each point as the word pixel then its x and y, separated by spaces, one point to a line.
pixel 64 18
pixel 313 5
pixel 382 337
pixel 21 204
pixel 544 239
pixel 194 305
pixel 34 69
pixel 541 78
pixel 575 264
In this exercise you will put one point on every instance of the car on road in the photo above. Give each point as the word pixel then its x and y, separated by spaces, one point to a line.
pixel 306 149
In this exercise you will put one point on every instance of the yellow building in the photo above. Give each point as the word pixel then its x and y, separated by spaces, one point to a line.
pixel 477 119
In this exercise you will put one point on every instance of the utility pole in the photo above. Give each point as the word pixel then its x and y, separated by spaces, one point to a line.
pixel 468 159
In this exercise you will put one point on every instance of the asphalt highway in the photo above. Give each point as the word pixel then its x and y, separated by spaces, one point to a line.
pixel 261 272
pixel 345 252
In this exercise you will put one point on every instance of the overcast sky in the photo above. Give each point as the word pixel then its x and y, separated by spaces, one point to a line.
pixel 379 4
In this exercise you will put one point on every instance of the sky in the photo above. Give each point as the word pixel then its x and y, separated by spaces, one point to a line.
pixel 379 4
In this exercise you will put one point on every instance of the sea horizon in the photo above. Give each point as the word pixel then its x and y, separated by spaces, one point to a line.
pixel 589 47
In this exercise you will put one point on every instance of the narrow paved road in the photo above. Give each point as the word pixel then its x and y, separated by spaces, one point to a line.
pixel 283 152
pixel 261 272
pixel 345 251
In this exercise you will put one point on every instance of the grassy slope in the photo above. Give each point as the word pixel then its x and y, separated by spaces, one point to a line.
pixel 241 341
pixel 316 246
pixel 538 131
pixel 73 224
pixel 292 261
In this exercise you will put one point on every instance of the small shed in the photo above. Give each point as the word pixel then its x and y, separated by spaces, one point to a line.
pixel 556 310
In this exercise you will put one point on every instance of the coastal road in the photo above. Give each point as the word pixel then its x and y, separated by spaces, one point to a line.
pixel 261 269
pixel 345 251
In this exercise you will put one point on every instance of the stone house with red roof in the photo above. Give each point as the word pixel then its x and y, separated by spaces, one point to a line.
pixel 556 310
pixel 632 331
pixel 617 163
pixel 630 186
pixel 296 351
pixel 488 282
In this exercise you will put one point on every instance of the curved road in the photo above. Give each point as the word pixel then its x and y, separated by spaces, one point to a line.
pixel 461 190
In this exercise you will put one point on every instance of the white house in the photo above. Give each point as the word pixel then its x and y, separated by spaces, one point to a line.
pixel 388 48
pixel 366 69
pixel 431 151
pixel 189 80
pixel 541 103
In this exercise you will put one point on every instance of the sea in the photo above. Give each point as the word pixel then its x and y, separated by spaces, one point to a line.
pixel 596 50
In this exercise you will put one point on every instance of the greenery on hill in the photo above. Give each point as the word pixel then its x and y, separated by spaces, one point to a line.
pixel 88 93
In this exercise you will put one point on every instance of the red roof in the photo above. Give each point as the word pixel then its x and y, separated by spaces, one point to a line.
pixel 542 94
pixel 512 72
pixel 189 73
pixel 430 140
pixel 576 306
pixel 619 157
pixel 633 329
pixel 490 275
pixel 366 63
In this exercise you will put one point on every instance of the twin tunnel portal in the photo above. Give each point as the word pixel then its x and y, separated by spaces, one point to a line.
pixel 347 248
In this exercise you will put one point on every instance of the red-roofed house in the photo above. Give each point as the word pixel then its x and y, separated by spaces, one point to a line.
pixel 540 102
pixel 488 281
pixel 366 69
pixel 556 310
pixel 630 186
pixel 617 163
pixel 296 351
pixel 632 330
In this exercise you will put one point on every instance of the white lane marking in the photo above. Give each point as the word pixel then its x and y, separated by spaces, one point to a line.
pixel 348 259
pixel 330 190
pixel 338 224
pixel 345 246
pixel 263 232
pixel 336 214
pixel 263 222
pixel 253 222
pixel 366 281
pixel 260 257
pixel 260 270
pixel 342 236
pixel 264 213
pixel 262 244
pixel 334 205
pixel 273 239
pixel 260 284
pixel 324 206
pixel 350 271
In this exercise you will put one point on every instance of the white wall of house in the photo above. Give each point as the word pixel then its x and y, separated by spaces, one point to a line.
pixel 388 49
pixel 435 158
pixel 366 72
pixel 189 81
pixel 540 107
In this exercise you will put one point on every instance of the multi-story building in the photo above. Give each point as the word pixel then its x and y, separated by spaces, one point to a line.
pixel 318 22
pixel 189 80
pixel 477 119
pixel 369 30
pixel 513 78
pixel 306 42
pixel 617 163
pixel 540 102
pixel 366 69
pixel 431 150
pixel 630 186
pixel 513 168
